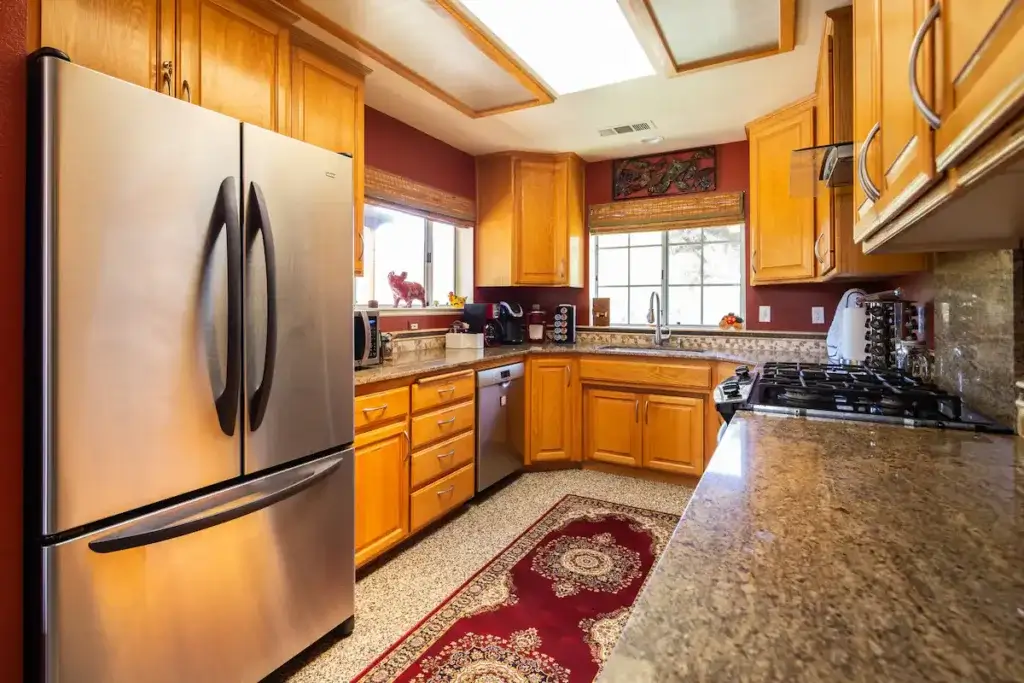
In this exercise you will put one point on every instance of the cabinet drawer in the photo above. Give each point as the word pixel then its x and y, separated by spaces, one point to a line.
pixel 432 392
pixel 443 423
pixel 670 376
pixel 432 501
pixel 381 408
pixel 435 461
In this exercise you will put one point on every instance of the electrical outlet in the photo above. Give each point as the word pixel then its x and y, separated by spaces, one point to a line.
pixel 818 315
pixel 414 326
pixel 764 314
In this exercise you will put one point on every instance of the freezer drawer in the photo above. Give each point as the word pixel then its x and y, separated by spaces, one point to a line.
pixel 230 602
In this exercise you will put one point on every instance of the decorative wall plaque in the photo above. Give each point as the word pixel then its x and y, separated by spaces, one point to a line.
pixel 660 175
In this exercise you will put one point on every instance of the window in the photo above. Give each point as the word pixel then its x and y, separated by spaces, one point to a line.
pixel 698 272
pixel 431 253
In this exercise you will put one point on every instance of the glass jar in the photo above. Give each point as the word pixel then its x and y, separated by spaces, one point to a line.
pixel 535 325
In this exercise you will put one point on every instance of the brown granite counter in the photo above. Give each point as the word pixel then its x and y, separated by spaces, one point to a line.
pixel 419 363
pixel 839 551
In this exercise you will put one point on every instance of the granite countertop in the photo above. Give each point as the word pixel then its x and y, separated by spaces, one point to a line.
pixel 818 550
pixel 422 362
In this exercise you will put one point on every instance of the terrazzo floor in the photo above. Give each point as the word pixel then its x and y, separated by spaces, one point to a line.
pixel 392 598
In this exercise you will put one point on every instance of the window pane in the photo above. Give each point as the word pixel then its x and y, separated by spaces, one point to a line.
pixel 613 266
pixel 684 305
pixel 619 304
pixel 689 235
pixel 621 240
pixel 684 264
pixel 398 248
pixel 639 301
pixel 644 265
pixel 721 300
pixel 644 238
pixel 443 262
pixel 728 232
pixel 723 263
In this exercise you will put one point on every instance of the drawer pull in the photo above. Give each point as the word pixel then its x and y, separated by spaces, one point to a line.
pixel 449 421
pixel 446 390
pixel 383 409
pixel 446 491
pixel 442 456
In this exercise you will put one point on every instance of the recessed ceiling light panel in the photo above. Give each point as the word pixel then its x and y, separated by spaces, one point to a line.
pixel 572 44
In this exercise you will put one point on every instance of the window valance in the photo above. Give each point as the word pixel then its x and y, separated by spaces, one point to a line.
pixel 395 191
pixel 698 210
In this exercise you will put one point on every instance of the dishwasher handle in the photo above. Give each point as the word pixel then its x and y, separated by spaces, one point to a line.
pixel 503 375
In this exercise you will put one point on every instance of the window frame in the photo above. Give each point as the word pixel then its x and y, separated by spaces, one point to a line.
pixel 664 288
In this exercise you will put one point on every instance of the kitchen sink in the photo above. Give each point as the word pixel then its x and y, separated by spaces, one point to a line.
pixel 650 349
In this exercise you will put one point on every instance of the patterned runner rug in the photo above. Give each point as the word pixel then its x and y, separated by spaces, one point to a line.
pixel 548 609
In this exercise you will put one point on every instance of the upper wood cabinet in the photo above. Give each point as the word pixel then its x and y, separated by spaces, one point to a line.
pixel 234 60
pixel 327 111
pixel 781 226
pixel 553 423
pixel 123 38
pixel 530 217
pixel 673 434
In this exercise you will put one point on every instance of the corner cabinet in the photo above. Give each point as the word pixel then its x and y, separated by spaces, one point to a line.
pixel 554 429
pixel 781 226
pixel 530 218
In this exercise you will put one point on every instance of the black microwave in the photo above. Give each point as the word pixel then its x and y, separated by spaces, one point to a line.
pixel 366 333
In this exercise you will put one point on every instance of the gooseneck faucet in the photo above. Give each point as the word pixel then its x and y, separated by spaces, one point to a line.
pixel 654 316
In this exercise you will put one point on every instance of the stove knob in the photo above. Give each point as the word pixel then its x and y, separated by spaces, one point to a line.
pixel 743 372
pixel 731 389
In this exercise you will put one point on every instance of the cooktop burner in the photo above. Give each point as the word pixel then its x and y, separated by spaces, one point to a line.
pixel 857 392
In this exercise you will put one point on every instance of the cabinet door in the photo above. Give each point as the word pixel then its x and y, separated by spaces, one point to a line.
pixel 382 493
pixel 235 61
pixel 673 434
pixel 551 410
pixel 612 427
pixel 781 226
pixel 865 109
pixel 120 38
pixel 904 138
pixel 327 111
pixel 541 231
pixel 979 60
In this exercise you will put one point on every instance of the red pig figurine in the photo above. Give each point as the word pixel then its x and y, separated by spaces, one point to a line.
pixel 406 291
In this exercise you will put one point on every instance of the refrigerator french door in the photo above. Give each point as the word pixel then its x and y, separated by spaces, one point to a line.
pixel 189 378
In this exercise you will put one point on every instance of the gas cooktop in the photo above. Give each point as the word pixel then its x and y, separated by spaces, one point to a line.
pixel 856 392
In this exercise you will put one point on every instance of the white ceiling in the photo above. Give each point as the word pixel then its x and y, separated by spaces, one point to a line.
pixel 704 107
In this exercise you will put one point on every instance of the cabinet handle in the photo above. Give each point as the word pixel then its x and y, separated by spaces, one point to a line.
pixel 408 445
pixel 816 254
pixel 446 390
pixel 188 91
pixel 647 408
pixel 927 112
pixel 753 261
pixel 636 411
pixel 446 422
pixel 374 409
pixel 168 71
pixel 568 376
pixel 869 188
pixel 442 456
pixel 446 491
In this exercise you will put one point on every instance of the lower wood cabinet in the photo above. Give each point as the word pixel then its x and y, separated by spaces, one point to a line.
pixel 382 490
pixel 612 425
pixel 444 495
pixel 554 425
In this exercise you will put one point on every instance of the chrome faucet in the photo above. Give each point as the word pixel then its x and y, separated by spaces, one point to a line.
pixel 654 316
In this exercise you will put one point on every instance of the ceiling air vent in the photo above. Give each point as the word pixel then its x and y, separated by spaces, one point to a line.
pixel 628 128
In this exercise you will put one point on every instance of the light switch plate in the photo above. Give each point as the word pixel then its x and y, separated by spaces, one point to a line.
pixel 414 326
pixel 764 314
pixel 818 315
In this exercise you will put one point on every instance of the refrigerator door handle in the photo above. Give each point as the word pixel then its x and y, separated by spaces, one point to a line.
pixel 211 511
pixel 260 223
pixel 226 214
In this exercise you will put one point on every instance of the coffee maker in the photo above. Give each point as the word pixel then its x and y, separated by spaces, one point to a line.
pixel 483 319
pixel 512 323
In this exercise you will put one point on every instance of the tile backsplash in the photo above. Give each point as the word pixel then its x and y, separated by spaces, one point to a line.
pixel 979 328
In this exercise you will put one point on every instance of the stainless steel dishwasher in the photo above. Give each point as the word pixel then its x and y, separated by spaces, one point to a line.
pixel 499 424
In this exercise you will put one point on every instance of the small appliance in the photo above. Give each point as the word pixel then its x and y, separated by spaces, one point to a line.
pixel 536 320
pixel 565 324
pixel 510 318
pixel 477 315
pixel 369 349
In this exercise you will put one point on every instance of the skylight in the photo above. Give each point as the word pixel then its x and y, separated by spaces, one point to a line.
pixel 572 44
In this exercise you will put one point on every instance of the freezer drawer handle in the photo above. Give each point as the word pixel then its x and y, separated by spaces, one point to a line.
pixel 226 215
pixel 189 519
pixel 260 223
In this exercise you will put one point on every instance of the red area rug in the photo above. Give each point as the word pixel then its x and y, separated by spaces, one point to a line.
pixel 548 609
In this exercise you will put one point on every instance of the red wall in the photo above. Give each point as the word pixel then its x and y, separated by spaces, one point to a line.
pixel 12 199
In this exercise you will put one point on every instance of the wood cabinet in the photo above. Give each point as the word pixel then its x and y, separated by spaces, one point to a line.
pixel 382 490
pixel 530 217
pixel 553 422
pixel 327 111
pixel 611 422
pixel 673 434
pixel 781 226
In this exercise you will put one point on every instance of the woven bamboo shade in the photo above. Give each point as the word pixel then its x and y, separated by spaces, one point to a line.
pixel 699 210
pixel 397 192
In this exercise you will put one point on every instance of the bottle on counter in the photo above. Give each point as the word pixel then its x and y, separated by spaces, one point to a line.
pixel 535 324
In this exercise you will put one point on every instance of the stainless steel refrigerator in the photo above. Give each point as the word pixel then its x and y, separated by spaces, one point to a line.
pixel 190 386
